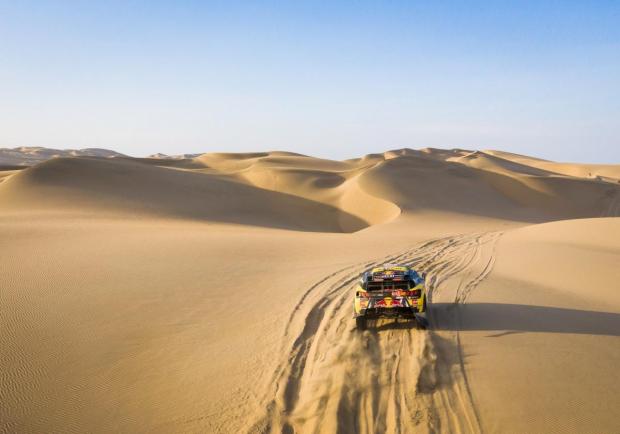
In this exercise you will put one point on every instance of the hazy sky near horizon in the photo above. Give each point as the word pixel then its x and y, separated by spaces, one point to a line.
pixel 328 78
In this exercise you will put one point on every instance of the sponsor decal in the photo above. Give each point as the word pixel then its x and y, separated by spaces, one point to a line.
pixel 389 302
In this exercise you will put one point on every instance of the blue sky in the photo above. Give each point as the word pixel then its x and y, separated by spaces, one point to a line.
pixel 332 79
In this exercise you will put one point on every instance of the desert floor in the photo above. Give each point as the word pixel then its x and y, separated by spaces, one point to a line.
pixel 214 294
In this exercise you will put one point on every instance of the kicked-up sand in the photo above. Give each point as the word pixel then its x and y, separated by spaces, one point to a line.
pixel 214 293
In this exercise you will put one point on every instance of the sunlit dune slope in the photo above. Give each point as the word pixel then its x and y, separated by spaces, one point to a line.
pixel 333 183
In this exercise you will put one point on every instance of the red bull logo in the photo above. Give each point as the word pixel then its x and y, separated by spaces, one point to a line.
pixel 388 302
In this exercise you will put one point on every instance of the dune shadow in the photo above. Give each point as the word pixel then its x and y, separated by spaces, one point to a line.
pixel 505 319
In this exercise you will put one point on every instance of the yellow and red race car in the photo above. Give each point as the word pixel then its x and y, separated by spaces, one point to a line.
pixel 389 291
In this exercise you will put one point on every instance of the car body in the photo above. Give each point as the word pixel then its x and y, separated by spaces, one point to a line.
pixel 389 291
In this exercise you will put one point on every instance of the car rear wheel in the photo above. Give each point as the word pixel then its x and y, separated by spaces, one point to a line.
pixel 360 323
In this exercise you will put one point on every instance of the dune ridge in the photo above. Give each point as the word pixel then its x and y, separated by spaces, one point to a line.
pixel 337 195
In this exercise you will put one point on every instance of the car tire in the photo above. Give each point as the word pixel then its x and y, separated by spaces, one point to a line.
pixel 360 323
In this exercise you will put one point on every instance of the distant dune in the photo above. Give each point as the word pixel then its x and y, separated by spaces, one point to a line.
pixel 30 155
pixel 212 292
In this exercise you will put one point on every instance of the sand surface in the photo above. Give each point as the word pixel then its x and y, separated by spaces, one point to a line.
pixel 213 293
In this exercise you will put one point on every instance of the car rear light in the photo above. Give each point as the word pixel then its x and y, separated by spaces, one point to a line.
pixel 415 293
pixel 362 294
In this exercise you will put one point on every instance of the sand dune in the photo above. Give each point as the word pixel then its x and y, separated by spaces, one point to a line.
pixel 30 155
pixel 348 196
pixel 128 187
pixel 607 172
pixel 212 293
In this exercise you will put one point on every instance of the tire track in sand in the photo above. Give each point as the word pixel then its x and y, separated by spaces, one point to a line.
pixel 392 377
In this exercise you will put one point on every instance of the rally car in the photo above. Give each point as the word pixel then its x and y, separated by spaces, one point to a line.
pixel 389 291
